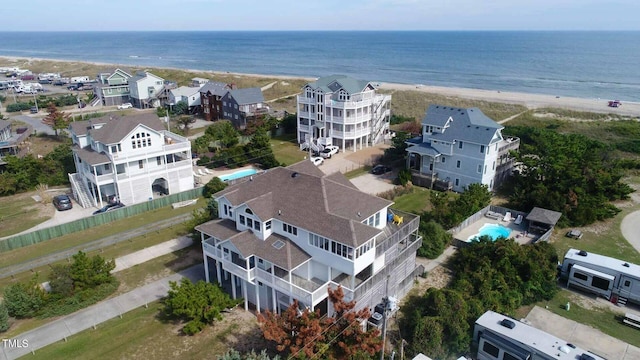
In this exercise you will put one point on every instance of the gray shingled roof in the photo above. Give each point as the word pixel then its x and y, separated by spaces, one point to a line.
pixel 287 257
pixel 222 228
pixel 115 128
pixel 424 149
pixel 317 203
pixel 4 124
pixel 544 216
pixel 333 83
pixel 247 96
pixel 215 88
pixel 468 125
pixel 91 157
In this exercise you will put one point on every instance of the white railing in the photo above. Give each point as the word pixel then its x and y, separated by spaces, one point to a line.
pixel 137 154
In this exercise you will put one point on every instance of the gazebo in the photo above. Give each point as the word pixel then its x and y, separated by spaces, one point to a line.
pixel 541 220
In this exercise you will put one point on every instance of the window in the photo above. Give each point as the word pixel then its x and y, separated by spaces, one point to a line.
pixel 141 164
pixel 580 276
pixel 159 160
pixel 460 145
pixel 114 149
pixel 226 209
pixel 107 167
pixel 256 225
pixel 377 223
pixel 290 229
pixel 458 164
pixel 267 225
pixel 493 167
pixel 241 219
pixel 627 283
pixel 457 182
pixel 443 159
pixel 490 349
pixel 485 169
pixel 507 356
pixel 482 149
pixel 248 211
pixel 480 168
pixel 600 283
pixel 249 223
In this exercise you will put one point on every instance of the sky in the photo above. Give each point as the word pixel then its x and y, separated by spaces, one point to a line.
pixel 233 15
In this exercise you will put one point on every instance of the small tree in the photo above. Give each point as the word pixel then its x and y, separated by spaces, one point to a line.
pixel 4 317
pixel 60 280
pixel 90 272
pixel 224 133
pixel 213 186
pixel 24 299
pixel 56 119
pixel 181 108
pixel 184 122
pixel 198 304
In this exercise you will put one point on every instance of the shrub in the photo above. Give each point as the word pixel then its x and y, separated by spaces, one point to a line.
pixel 434 239
pixel 4 317
pixel 19 107
pixel 404 176
pixel 213 186
pixel 59 306
pixel 24 299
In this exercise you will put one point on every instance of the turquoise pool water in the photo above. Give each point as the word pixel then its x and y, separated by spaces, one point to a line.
pixel 492 230
pixel 238 174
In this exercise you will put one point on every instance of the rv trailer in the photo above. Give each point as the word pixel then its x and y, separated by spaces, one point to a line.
pixel 500 337
pixel 614 279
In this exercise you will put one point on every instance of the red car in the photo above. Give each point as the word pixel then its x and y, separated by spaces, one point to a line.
pixel 615 103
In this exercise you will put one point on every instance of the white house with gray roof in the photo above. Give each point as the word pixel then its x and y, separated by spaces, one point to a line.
pixel 342 111
pixel 131 159
pixel 291 233
pixel 144 88
pixel 459 147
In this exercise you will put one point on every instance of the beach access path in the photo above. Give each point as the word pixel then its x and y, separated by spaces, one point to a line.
pixel 69 325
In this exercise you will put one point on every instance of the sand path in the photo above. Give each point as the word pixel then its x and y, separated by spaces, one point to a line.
pixel 630 228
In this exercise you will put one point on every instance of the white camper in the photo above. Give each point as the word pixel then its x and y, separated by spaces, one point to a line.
pixel 80 79
pixel 614 279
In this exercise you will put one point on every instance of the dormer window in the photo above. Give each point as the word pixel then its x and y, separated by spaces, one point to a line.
pixel 140 140
pixel 309 93
pixel 343 95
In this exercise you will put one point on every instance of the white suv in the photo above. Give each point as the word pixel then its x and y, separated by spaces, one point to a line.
pixel 125 106
pixel 329 151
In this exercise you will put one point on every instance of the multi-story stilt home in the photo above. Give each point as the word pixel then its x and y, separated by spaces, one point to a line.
pixel 342 111
pixel 291 233
pixel 459 147
pixel 131 159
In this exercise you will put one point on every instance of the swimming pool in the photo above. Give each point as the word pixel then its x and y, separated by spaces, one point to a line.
pixel 494 231
pixel 238 174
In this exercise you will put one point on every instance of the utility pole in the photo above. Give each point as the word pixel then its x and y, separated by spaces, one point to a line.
pixel 385 303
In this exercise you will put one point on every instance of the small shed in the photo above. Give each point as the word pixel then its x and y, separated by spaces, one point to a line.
pixel 541 220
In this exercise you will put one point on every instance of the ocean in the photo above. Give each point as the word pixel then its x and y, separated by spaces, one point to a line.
pixel 581 64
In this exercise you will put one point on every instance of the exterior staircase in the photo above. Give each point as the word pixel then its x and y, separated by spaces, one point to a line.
pixel 622 301
pixel 80 192
pixel 95 102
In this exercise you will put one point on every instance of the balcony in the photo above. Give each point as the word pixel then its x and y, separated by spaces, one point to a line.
pixel 512 143
pixel 394 234
pixel 308 291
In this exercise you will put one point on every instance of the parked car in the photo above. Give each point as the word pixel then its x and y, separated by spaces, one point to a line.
pixel 34 110
pixel 62 202
pixel 109 207
pixel 380 169
pixel 329 151
pixel 317 160
pixel 125 106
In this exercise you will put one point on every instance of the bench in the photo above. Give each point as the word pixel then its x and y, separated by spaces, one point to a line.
pixel 632 320
pixel 493 215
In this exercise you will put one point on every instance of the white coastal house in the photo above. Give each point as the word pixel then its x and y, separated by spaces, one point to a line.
pixel 144 88
pixel 459 147
pixel 342 111
pixel 188 94
pixel 290 233
pixel 131 159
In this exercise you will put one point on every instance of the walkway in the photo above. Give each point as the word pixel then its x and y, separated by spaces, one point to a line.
pixel 631 229
pixel 90 317
pixel 152 252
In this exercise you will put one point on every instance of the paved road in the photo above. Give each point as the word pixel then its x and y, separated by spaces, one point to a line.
pixel 36 122
pixel 60 329
pixel 630 228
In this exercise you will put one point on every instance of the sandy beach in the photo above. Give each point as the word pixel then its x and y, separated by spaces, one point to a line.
pixel 529 100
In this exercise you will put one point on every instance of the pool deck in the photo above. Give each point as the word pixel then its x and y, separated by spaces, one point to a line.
pixel 517 231
pixel 202 179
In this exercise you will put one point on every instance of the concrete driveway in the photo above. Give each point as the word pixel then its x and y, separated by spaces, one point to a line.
pixel 374 184
pixel 583 336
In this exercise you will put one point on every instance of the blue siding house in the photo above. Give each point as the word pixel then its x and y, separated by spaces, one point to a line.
pixel 459 147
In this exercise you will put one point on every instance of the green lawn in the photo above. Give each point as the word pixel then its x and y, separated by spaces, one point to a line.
pixel 287 150
pixel 18 213
pixel 140 334
pixel 77 238
pixel 415 202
